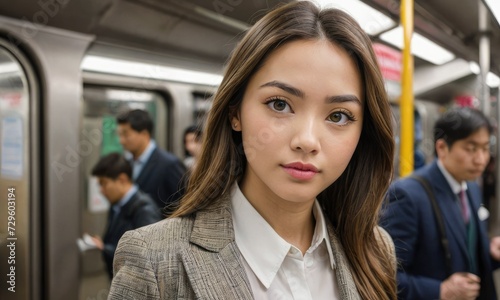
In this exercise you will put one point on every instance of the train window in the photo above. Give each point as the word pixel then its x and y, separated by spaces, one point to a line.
pixel 14 113
pixel 101 106
pixel 18 171
pixel 202 102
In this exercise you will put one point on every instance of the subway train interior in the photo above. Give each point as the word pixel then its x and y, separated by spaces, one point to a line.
pixel 68 67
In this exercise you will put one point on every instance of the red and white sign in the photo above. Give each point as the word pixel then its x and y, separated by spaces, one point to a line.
pixel 466 101
pixel 389 61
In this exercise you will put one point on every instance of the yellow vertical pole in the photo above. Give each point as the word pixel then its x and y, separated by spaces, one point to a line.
pixel 406 102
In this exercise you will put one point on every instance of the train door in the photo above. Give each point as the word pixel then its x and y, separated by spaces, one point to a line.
pixel 101 105
pixel 19 191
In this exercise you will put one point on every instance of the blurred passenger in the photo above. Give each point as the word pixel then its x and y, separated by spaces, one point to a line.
pixel 489 184
pixel 130 208
pixel 418 154
pixel 157 172
pixel 192 145
pixel 297 157
pixel 462 145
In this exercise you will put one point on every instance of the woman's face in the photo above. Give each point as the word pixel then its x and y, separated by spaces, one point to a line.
pixel 301 119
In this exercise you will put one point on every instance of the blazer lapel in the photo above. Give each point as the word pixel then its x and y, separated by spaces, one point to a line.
pixel 347 286
pixel 119 219
pixel 147 169
pixel 449 209
pixel 213 262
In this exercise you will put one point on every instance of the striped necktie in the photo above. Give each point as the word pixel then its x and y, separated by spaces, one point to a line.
pixel 464 207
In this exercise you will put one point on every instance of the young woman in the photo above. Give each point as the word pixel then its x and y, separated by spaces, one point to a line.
pixel 297 155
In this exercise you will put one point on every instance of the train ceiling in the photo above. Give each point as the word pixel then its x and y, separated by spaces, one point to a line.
pixel 203 33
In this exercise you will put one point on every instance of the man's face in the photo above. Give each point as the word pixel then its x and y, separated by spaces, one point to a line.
pixel 133 141
pixel 192 144
pixel 466 159
pixel 111 188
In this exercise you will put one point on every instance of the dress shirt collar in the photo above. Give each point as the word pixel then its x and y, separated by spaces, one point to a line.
pixel 144 157
pixel 456 186
pixel 263 249
pixel 126 198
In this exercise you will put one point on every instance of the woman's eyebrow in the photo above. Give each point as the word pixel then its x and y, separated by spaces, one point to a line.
pixel 343 98
pixel 285 87
pixel 299 93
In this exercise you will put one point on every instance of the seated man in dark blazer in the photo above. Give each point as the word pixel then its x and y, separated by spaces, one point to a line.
pixel 455 260
pixel 130 208
pixel 156 171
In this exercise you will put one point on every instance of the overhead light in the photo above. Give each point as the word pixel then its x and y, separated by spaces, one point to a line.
pixel 371 20
pixel 494 7
pixel 129 95
pixel 420 46
pixel 9 67
pixel 492 80
pixel 143 70
pixel 474 67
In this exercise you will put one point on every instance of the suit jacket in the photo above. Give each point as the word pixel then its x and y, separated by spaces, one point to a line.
pixel 138 212
pixel 162 178
pixel 410 220
pixel 197 257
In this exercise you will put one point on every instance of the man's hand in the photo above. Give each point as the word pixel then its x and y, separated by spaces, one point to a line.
pixel 98 242
pixel 460 286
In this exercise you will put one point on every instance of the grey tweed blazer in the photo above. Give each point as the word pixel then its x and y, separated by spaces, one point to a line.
pixel 197 258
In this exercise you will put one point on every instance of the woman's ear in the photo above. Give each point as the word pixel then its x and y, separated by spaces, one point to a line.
pixel 235 121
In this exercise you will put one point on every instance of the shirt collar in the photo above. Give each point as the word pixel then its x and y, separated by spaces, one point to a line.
pixel 266 256
pixel 143 158
pixel 456 186
pixel 126 198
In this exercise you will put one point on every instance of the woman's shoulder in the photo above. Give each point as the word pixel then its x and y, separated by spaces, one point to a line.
pixel 383 236
pixel 163 233
pixel 384 240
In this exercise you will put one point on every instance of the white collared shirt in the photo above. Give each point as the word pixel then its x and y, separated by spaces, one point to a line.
pixel 455 186
pixel 276 269
pixel 139 163
pixel 117 207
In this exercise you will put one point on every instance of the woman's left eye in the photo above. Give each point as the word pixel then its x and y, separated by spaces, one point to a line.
pixel 279 105
pixel 340 118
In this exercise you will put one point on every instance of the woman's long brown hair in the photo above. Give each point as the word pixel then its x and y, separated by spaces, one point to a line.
pixel 353 201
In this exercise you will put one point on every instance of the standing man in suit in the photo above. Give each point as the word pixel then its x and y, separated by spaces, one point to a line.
pixel 156 172
pixel 462 145
pixel 130 208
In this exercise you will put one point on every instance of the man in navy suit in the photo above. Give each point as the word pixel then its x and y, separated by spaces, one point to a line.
pixel 156 172
pixel 130 208
pixel 462 145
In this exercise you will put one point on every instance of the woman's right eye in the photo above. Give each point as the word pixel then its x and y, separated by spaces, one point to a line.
pixel 279 105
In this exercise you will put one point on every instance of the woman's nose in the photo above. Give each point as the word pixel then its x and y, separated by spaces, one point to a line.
pixel 305 137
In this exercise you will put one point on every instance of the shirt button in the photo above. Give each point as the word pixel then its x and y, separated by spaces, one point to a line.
pixel 293 250
pixel 309 262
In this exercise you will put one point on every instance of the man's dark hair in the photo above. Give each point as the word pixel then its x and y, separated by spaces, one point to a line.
pixel 138 119
pixel 459 123
pixel 111 166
